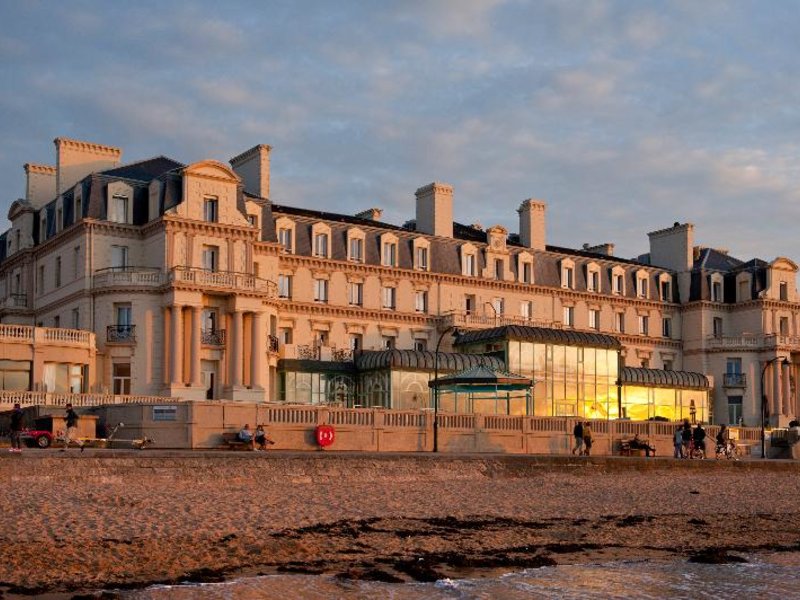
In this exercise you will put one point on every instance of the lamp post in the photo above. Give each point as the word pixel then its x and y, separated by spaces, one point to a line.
pixel 494 309
pixel 436 387
pixel 785 362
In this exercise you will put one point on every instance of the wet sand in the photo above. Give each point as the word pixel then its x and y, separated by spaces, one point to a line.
pixel 73 523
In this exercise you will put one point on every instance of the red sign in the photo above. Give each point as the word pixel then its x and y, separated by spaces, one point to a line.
pixel 325 435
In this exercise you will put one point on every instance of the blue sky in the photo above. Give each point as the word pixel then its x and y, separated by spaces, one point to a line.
pixel 623 116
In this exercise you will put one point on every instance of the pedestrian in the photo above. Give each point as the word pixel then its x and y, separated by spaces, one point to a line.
pixel 587 438
pixel 17 425
pixel 678 439
pixel 577 433
pixel 699 438
pixel 71 418
pixel 686 438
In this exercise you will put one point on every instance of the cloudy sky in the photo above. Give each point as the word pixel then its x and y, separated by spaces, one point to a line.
pixel 623 116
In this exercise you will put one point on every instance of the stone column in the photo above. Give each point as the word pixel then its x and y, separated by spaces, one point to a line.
pixel 257 352
pixel 775 401
pixel 196 375
pixel 237 347
pixel 176 345
pixel 786 394
pixel 165 347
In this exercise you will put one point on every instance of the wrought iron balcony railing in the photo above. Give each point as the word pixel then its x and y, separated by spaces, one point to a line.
pixel 734 380
pixel 213 337
pixel 272 344
pixel 120 334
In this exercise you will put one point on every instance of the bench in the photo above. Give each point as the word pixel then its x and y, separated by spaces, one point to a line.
pixel 232 442
pixel 626 450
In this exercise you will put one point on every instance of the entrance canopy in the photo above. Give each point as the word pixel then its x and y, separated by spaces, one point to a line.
pixel 483 389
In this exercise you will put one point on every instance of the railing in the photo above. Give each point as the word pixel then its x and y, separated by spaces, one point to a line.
pixel 473 320
pixel 212 337
pixel 404 419
pixel 364 417
pixel 341 355
pixel 127 276
pixel 22 333
pixel 503 422
pixel 308 352
pixel 61 399
pixel 777 339
pixel 121 333
pixel 72 336
pixel 29 334
pixel 272 344
pixel 16 301
pixel 737 341
pixel 229 280
pixel 734 380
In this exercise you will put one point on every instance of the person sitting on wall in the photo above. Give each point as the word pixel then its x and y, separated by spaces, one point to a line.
pixel 638 443
pixel 261 438
pixel 246 436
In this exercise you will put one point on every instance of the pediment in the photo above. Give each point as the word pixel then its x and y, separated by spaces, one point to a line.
pixel 17 208
pixel 784 263
pixel 212 169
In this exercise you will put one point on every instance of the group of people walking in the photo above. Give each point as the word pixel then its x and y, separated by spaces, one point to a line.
pixel 582 432
pixel 18 427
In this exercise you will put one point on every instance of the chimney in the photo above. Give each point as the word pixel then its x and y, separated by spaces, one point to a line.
pixel 40 187
pixel 253 167
pixel 435 209
pixel 371 214
pixel 607 248
pixel 76 159
pixel 673 248
pixel 532 233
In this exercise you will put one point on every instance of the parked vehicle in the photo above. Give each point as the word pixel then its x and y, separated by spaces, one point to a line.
pixel 37 438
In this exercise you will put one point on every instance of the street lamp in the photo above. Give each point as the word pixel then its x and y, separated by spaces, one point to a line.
pixel 436 386
pixel 784 363
pixel 494 309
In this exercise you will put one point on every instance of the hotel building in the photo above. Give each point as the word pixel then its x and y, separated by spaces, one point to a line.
pixel 156 278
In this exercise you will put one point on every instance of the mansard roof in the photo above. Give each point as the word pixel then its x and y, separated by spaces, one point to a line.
pixel 144 170
pixel 714 260
pixel 566 337
pixel 661 378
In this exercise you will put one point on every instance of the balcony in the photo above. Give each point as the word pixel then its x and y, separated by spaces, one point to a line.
pixel 222 280
pixel 272 344
pixel 315 352
pixel 121 334
pixel 17 301
pixel 746 341
pixel 44 336
pixel 114 277
pixel 734 380
pixel 472 320
pixel 212 337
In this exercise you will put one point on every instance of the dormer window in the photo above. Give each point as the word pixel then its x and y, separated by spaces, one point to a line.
pixel 321 245
pixel 716 288
pixel 356 250
pixel 285 229
pixel 525 268
pixel 119 209
pixel 210 210
pixel 469 260
pixel 618 281
pixel 567 274
pixel 59 219
pixel 422 252
pixel 389 254
pixel 642 281
pixel 592 277
pixel 665 288
pixel 783 290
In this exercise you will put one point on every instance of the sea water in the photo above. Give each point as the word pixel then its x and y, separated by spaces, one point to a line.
pixel 765 576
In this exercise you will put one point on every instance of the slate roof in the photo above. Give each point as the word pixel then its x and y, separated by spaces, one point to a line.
pixel 144 170
pixel 661 378
pixel 566 337
pixel 715 260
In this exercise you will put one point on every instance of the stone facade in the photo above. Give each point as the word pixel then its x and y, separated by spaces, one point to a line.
pixel 196 285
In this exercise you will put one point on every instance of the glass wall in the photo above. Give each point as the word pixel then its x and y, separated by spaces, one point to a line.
pixel 568 380
pixel 316 388
pixel 641 403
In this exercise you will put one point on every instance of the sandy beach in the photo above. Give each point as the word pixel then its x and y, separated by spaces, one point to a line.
pixel 74 523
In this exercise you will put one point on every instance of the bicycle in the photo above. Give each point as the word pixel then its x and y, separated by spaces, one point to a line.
pixel 729 450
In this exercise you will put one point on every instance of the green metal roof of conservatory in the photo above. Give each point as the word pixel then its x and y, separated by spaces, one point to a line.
pixel 423 360
pixel 661 378
pixel 565 337
pixel 482 375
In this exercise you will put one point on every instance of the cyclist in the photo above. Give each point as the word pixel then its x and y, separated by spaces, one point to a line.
pixel 699 438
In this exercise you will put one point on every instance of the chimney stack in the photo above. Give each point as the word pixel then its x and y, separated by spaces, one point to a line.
pixel 606 248
pixel 532 232
pixel 673 248
pixel 371 214
pixel 253 167
pixel 40 186
pixel 435 209
pixel 76 159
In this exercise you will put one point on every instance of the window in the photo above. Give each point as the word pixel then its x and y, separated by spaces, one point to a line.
pixel 284 286
pixel 619 322
pixel 784 291
pixel 388 342
pixel 644 323
pixel 422 258
pixel 56 321
pixel 356 293
pixel 469 265
pixel 498 269
pixel 734 410
pixel 119 258
pixel 285 335
pixel 420 345
pixel 526 309
pixel 527 273
pixel 58 271
pixel 210 210
pixel 122 378
pixel 285 239
pixel 667 364
pixel 356 250
pixel 617 284
pixel 716 291
pixel 645 363
pixel 76 318
pixel 321 245
pixel 78 209
pixel 123 314
pixel 253 220
pixel 499 305
pixel 569 316
pixel 594 318
pixel 210 258
pixel 717 327
pixel 421 301
pixel 119 209
pixel 59 219
pixel 469 303
pixel 568 277
pixel 733 366
pixel 40 280
pixel 389 298
pixel 641 287
pixel 389 254
pixel 76 261
pixel 593 281
pixel 783 326
pixel 320 290
pixel 356 341
pixel 666 327
pixel 666 291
